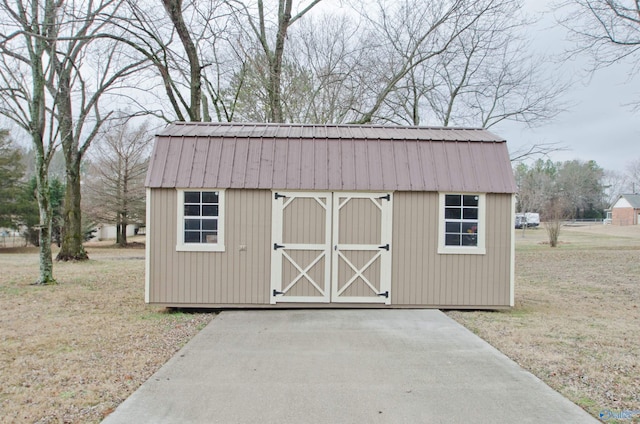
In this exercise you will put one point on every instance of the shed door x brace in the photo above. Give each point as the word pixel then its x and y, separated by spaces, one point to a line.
pixel 331 247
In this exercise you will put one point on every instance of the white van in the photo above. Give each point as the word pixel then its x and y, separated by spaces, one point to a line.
pixel 533 219
pixel 530 219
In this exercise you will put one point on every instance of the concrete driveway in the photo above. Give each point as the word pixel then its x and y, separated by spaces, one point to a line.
pixel 342 366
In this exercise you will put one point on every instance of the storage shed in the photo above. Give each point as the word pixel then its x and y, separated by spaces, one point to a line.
pixel 283 215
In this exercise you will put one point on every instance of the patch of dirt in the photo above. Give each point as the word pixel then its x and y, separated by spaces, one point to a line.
pixel 73 352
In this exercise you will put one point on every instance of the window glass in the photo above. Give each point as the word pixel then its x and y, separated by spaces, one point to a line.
pixel 471 200
pixel 192 224
pixel 210 224
pixel 470 213
pixel 210 197
pixel 210 210
pixel 452 213
pixel 202 210
pixel 192 210
pixel 191 197
pixel 461 220
pixel 452 200
pixel 452 239
pixel 192 237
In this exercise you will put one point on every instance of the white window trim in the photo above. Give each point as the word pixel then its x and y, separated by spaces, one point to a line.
pixel 181 246
pixel 480 249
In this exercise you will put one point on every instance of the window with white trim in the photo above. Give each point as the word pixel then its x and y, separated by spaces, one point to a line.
pixel 461 223
pixel 200 220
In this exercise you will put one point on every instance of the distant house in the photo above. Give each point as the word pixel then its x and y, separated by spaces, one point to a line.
pixel 283 215
pixel 626 210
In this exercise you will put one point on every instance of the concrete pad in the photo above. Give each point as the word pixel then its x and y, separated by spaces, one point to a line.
pixel 342 366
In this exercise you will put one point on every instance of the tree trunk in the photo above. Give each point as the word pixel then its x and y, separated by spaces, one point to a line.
pixel 118 229
pixel 123 230
pixel 275 65
pixel 72 235
pixel 46 218
pixel 174 9
pixel 37 111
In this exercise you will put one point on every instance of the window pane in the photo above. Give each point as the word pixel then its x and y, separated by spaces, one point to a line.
pixel 471 200
pixel 209 210
pixel 191 210
pixel 209 238
pixel 191 197
pixel 452 213
pixel 452 200
pixel 470 227
pixel 192 237
pixel 452 240
pixel 470 213
pixel 469 240
pixel 210 224
pixel 209 197
pixel 191 224
pixel 452 227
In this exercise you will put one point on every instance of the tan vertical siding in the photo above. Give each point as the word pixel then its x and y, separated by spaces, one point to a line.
pixel 233 276
pixel 304 222
pixel 303 286
pixel 421 276
pixel 359 222
pixel 359 259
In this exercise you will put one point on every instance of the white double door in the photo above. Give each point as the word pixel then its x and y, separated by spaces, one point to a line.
pixel 331 247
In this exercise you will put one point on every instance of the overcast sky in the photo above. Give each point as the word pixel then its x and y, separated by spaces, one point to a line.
pixel 599 124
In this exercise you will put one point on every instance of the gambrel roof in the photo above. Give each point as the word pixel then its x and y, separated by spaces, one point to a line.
pixel 330 158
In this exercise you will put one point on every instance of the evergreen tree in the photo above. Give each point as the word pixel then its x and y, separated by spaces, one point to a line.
pixel 11 172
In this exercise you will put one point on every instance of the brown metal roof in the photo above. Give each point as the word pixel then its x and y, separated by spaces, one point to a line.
pixel 330 157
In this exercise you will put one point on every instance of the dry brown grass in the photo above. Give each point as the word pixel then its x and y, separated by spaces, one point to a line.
pixel 576 323
pixel 73 352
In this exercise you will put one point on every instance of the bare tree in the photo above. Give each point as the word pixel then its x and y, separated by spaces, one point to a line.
pixel 191 48
pixel 328 49
pixel 271 37
pixel 174 10
pixel 608 30
pixel 87 67
pixel 25 69
pixel 555 212
pixel 483 77
pixel 614 183
pixel 633 176
pixel 535 150
pixel 405 35
pixel 115 190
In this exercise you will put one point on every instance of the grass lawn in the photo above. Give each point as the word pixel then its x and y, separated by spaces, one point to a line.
pixel 73 352
pixel 576 321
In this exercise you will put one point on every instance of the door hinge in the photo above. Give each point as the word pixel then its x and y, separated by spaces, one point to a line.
pixel 277 246
pixel 385 247
pixel 276 292
pixel 383 294
pixel 386 197
pixel 278 195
